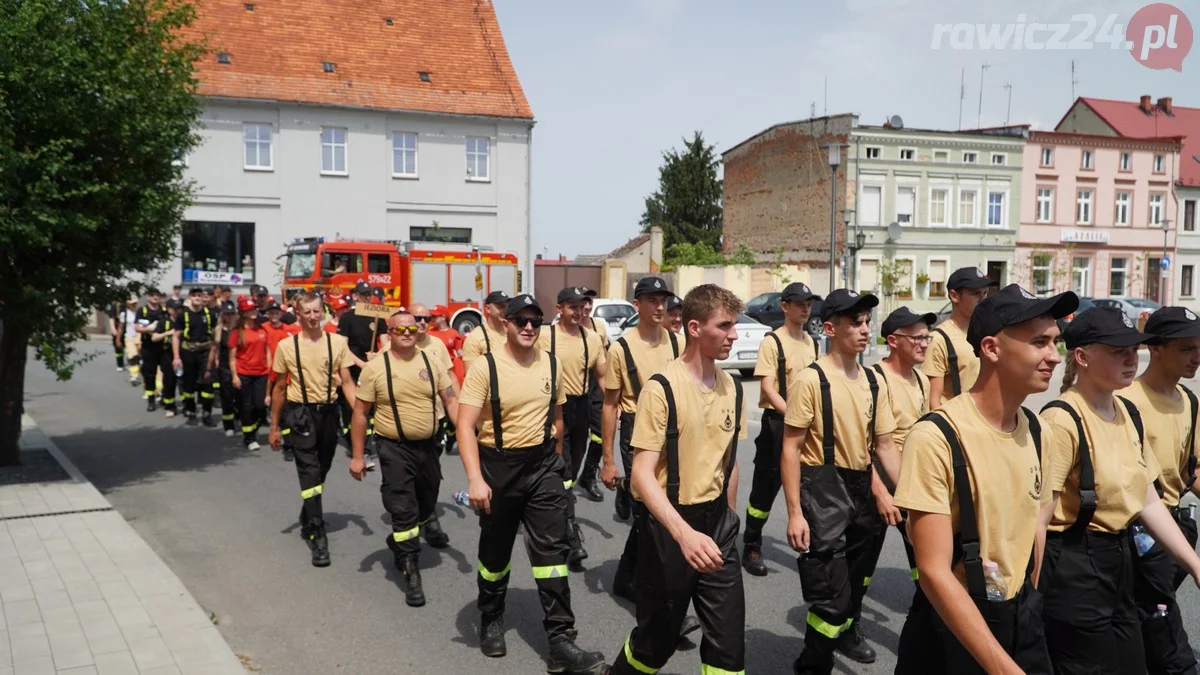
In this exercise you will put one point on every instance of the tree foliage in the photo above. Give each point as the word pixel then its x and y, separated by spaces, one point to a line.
pixel 687 204
pixel 702 254
pixel 98 110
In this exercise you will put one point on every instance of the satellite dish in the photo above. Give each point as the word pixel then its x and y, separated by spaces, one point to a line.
pixel 897 122
pixel 894 231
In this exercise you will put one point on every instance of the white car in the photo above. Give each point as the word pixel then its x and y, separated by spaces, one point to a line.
pixel 744 354
pixel 614 312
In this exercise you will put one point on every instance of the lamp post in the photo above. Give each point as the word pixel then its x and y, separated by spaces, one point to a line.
pixel 847 216
pixel 1164 275
pixel 835 159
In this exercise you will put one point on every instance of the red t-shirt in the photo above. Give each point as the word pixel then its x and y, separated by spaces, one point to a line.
pixel 274 335
pixel 251 345
pixel 330 327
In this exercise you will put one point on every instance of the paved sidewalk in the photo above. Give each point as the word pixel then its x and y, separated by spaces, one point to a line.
pixel 81 593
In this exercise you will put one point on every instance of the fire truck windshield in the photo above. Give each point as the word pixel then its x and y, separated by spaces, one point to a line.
pixel 300 264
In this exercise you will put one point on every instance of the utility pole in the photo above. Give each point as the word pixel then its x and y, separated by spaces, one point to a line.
pixel 1008 114
pixel 979 119
pixel 962 95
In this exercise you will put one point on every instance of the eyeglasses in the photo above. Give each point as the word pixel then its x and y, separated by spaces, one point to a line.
pixel 523 321
pixel 421 319
pixel 401 330
pixel 920 340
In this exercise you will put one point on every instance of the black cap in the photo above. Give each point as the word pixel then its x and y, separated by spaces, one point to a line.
pixel 571 294
pixel 846 301
pixel 674 302
pixel 228 307
pixel 172 303
pixel 970 277
pixel 258 289
pixel 153 291
pixel 1107 326
pixel 520 303
pixel 497 298
pixel 589 292
pixel 1012 305
pixel 362 287
pixel 904 317
pixel 274 304
pixel 1173 322
pixel 196 290
pixel 648 285
pixel 798 292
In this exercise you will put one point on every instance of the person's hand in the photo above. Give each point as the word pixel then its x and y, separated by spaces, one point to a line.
pixel 700 551
pixel 275 439
pixel 177 364
pixel 797 533
pixel 267 400
pixel 237 381
pixel 480 495
pixel 608 474
pixel 357 468
pixel 887 510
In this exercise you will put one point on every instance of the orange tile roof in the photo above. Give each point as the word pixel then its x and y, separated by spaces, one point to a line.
pixel 276 52
pixel 1126 118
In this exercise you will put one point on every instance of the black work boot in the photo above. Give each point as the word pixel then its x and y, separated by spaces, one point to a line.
pixel 576 553
pixel 854 647
pixel 435 536
pixel 191 420
pixel 151 404
pixel 752 560
pixel 589 484
pixel 414 595
pixel 491 636
pixel 623 502
pixel 566 657
pixel 207 420
pixel 318 543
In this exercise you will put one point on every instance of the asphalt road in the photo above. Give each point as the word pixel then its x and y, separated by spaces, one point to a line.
pixel 224 519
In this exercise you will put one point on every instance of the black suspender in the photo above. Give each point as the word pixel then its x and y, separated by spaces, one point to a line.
pixel 1087 474
pixel 780 367
pixel 494 395
pixel 672 444
pixel 952 360
pixel 631 368
pixel 583 335
pixel 553 400
pixel 1190 478
pixel 827 440
pixel 329 375
pixel 920 385
pixel 968 538
pixel 387 367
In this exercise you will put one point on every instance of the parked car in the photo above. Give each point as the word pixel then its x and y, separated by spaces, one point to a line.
pixel 1136 309
pixel 614 312
pixel 744 354
pixel 767 309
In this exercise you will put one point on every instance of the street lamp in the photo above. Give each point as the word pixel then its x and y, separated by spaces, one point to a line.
pixel 835 159
pixel 1164 276
pixel 847 216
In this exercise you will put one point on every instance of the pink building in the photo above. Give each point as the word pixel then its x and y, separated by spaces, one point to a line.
pixel 1092 213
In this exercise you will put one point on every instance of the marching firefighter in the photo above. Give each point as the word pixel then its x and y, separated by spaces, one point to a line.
pixel 250 364
pixel 196 353
pixel 165 334
pixel 305 402
pixel 589 477
pixel 229 396
pixel 116 329
pixel 362 334
pixel 271 319
pixel 515 477
pixel 436 350
pixel 131 341
pixel 491 334
pixel 688 423
pixel 837 416
pixel 581 360
pixel 149 319
pixel 404 386
pixel 951 365
pixel 786 352
pixel 674 321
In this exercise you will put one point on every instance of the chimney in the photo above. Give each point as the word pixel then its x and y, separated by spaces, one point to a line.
pixel 562 258
pixel 656 246
pixel 1165 105
pixel 1145 105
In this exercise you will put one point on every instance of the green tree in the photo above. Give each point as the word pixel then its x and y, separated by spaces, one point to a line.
pixel 98 110
pixel 687 204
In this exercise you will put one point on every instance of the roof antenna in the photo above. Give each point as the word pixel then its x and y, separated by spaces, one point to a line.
pixel 1074 80
pixel 1008 115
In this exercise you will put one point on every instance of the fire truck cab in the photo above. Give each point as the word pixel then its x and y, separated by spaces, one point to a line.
pixel 457 276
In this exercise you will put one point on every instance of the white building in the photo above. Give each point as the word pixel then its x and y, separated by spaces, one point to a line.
pixel 374 126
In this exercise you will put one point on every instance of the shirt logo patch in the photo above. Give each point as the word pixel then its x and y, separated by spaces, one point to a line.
pixel 727 423
pixel 546 386
pixel 1036 492
pixel 424 374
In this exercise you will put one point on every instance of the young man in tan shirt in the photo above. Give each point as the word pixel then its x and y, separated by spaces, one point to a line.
pixel 951 364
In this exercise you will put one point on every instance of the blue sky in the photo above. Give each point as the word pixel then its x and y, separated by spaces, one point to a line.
pixel 613 84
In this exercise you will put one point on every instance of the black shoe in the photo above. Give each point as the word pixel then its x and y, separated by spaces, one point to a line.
pixel 623 588
pixel 752 561
pixel 192 421
pixel 589 485
pixel 854 647
pixel 690 625
pixel 151 404
pixel 288 455
pixel 208 421
pixel 319 543
pixel 623 502
pixel 576 553
pixel 491 637
pixel 435 536
pixel 414 594
pixel 566 657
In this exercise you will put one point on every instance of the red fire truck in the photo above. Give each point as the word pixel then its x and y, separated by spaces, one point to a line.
pixel 457 276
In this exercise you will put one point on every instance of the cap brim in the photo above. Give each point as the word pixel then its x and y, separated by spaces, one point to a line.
pixel 1130 339
pixel 510 313
pixel 800 297
pixel 865 303
pixel 573 298
pixel 1191 329
pixel 976 282
pixel 651 291
pixel 1057 306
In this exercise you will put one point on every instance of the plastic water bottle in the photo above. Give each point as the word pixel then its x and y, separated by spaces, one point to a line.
pixel 179 371
pixel 1192 511
pixel 462 498
pixel 1142 539
pixel 1160 612
pixel 997 587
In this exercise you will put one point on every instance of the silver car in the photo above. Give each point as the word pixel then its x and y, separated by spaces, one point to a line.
pixel 1136 309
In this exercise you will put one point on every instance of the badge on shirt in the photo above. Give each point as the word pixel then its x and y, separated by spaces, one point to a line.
pixel 727 423
pixel 1036 492
pixel 424 374
pixel 546 386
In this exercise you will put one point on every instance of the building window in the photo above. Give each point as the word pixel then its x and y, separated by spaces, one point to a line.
pixel 967 206
pixel 333 150
pixel 218 253
pixel 907 154
pixel 1156 209
pixel 938 200
pixel 1189 215
pixel 1160 164
pixel 869 214
pixel 1081 275
pixel 970 158
pixel 1124 202
pixel 937 278
pixel 1126 162
pixel 257 140
pixel 999 160
pixel 477 158
pixel 1041 264
pixel 404 154
pixel 1187 275
pixel 1083 207
pixel 873 153
pixel 868 275
pixel 1118 277
pixel 942 156
pixel 906 204
pixel 1087 160
pixel 441 235
pixel 1047 156
pixel 995 212
pixel 904 278
pixel 1045 205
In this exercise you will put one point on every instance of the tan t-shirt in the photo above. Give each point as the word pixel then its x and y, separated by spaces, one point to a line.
pixel 937 360
pixel 797 354
pixel 524 398
pixel 439 358
pixel 1005 477
pixel 648 359
pixel 909 398
pixel 1122 471
pixel 600 327
pixel 569 350
pixel 852 412
pixel 475 344
pixel 1168 425
pixel 314 356
pixel 706 419
pixel 415 399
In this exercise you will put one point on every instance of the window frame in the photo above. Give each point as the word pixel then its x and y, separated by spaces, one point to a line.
pixel 879 212
pixel 1087 160
pixel 933 292
pixel 416 171
pixel 900 154
pixel 877 149
pixel 1159 164
pixel 915 210
pixel 1160 207
pixel 1127 221
pixel 231 238
pixel 1091 206
pixel 958 204
pixel 912 276
pixel 1187 273
pixel 1048 268
pixel 943 160
pixel 946 190
pixel 1000 156
pixel 333 146
pixel 1003 209
pixel 487 155
pixel 1190 207
pixel 258 141
pixel 1125 162
pixel 1048 201
pixel 972 153
pixel 1042 159
pixel 1124 270
pixel 1085 290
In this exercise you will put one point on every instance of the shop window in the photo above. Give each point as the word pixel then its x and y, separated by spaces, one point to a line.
pixel 218 253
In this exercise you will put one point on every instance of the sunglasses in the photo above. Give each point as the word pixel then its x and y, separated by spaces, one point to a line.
pixel 421 319
pixel 401 330
pixel 525 321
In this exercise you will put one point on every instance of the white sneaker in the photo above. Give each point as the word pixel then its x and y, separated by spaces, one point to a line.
pixel 253 446
pixel 229 433
pixel 120 369
pixel 170 414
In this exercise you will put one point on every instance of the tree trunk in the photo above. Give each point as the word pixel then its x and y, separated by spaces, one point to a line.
pixel 14 344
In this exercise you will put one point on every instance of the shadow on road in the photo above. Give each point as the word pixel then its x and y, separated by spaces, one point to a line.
pixel 522 617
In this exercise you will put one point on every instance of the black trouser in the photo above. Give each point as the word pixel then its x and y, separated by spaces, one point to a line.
pixel 1016 624
pixel 194 383
pixel 1156 578
pixel 629 556
pixel 411 477
pixel 764 483
pixel 595 415
pixel 1091 622
pixel 119 351
pixel 844 527
pixel 253 405
pixel 669 584
pixel 229 399
pixel 527 489
pixel 575 436
pixel 170 388
pixel 313 459
pixel 152 360
pixel 347 412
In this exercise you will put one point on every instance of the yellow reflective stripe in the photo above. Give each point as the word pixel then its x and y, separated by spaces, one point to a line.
pixel 185 396
pixel 216 385
pixel 757 513
pixel 312 492
pixel 406 535
pixel 706 669
pixel 489 575
pixel 206 394
pixel 228 418
pixel 549 571
pixel 147 394
pixel 827 629
pixel 370 431
pixel 568 484
pixel 167 401
pixel 866 581
pixel 250 429
pixel 637 665
pixel 285 432
pixel 597 439
pixel 916 574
